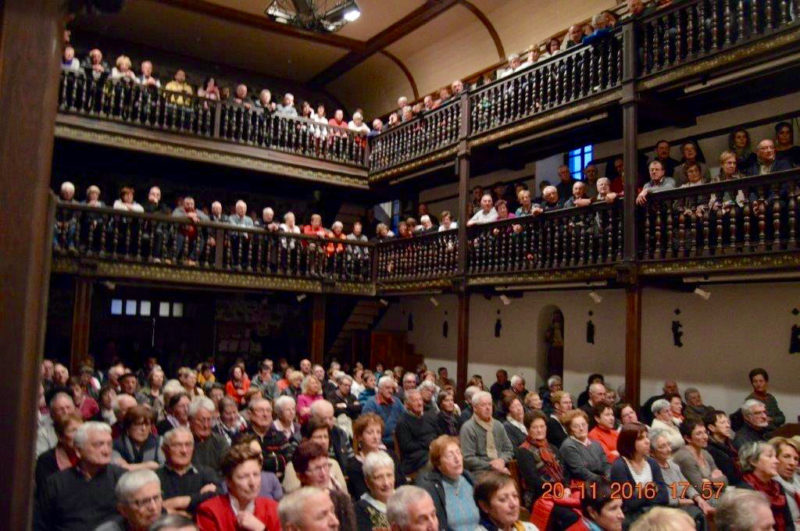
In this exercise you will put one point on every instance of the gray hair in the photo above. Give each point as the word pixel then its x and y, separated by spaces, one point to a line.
pixel 120 397
pixel 751 452
pixel 469 392
pixel 82 434
pixel 424 219
pixel 375 461
pixel 410 393
pixel 341 377
pixel 597 387
pixel 172 521
pixel 174 432
pixel 67 186
pixel 337 224
pixel 227 402
pixel 201 402
pixel 659 405
pixel 397 506
pixel 293 506
pixel 281 402
pixel 654 435
pixel 515 379
pixel 386 380
pixel 749 404
pixel 132 481
pixel 477 397
pixel 427 384
pixel 736 510
pixel 688 391
pixel 553 379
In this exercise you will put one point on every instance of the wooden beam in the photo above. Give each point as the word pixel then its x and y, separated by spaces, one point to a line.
pixel 630 134
pixel 30 49
pixel 633 344
pixel 81 322
pixel 498 43
pixel 405 70
pixel 262 22
pixel 462 350
pixel 419 17
pixel 317 338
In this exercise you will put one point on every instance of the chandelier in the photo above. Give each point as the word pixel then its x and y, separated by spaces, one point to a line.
pixel 324 16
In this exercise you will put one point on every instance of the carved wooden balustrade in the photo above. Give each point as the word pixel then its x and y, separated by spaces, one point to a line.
pixel 426 134
pixel 424 257
pixel 558 239
pixel 751 215
pixel 120 236
pixel 699 28
pixel 569 76
pixel 176 112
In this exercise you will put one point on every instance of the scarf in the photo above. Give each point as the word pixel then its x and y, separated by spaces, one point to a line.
pixel 65 457
pixel 491 447
pixel 773 491
pixel 450 423
pixel 548 464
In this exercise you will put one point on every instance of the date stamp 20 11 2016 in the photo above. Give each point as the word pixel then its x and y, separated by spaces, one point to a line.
pixel 627 491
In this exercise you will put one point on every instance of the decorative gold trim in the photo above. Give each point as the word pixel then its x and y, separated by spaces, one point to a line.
pixel 416 163
pixel 766 44
pixel 550 116
pixel 205 155
pixel 545 277
pixel 725 263
pixel 413 285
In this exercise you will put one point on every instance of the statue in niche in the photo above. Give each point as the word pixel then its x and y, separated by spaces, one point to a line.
pixel 677 332
pixel 498 325
pixel 590 329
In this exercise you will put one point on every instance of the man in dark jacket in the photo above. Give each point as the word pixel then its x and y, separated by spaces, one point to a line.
pixel 720 446
pixel 414 434
pixel 755 425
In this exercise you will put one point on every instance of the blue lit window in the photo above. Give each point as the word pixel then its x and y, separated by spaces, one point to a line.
pixel 578 160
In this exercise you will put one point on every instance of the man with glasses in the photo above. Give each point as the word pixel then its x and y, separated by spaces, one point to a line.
pixel 209 447
pixel 138 501
pixel 756 423
pixel 183 484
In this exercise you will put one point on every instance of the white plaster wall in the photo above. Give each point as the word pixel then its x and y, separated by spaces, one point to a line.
pixel 740 327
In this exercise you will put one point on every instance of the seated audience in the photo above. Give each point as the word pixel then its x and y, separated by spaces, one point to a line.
pixel 604 432
pixel 484 442
pixel 309 508
pixel 788 454
pixel 759 379
pixel 447 420
pixel 515 419
pixel 414 434
pixel 583 458
pixel 319 433
pixel 184 485
pixel 497 499
pixel 177 409
pixel 285 423
pixel 63 455
pixel 662 420
pixel 694 460
pixel 744 510
pixel 61 406
pixel 209 447
pixel 411 509
pixel 759 468
pixel 386 406
pixel 311 392
pixel 276 450
pixel 756 423
pixel 173 522
pixel 691 155
pixel 242 507
pixel 720 445
pixel 313 468
pixel 676 409
pixel 661 517
pixel 601 510
pixel 596 395
pixel 694 404
pixel 137 448
pixel 583 398
pixel 370 509
pixel 270 484
pixel 784 144
pixel 670 388
pixel 339 448
pixel 231 423
pixel 766 161
pixel 562 404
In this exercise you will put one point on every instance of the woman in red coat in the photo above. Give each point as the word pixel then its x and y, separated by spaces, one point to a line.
pixel 237 385
pixel 241 509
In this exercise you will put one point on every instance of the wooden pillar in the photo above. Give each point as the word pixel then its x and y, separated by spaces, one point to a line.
pixel 317 339
pixel 81 322
pixel 633 344
pixel 463 168
pixel 462 349
pixel 30 36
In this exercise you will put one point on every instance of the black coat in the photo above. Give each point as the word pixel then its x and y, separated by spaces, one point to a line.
pixel 556 434
pixel 414 437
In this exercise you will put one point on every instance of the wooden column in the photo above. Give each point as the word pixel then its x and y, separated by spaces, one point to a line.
pixel 462 349
pixel 30 34
pixel 81 322
pixel 463 168
pixel 317 339
pixel 633 344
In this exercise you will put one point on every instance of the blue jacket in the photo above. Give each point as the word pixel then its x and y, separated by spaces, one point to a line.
pixel 390 413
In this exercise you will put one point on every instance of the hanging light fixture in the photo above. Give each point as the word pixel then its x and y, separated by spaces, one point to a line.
pixel 323 16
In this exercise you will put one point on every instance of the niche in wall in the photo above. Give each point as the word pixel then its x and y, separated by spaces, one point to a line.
pixel 550 342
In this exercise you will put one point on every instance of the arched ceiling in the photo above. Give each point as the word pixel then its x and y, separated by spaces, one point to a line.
pixel 395 45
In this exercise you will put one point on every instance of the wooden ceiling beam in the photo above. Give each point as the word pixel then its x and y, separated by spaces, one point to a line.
pixel 417 18
pixel 210 9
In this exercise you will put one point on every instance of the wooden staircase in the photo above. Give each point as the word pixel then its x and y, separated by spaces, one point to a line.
pixel 365 314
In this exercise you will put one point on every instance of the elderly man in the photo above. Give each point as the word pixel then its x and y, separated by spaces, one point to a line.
pixel 457 87
pixel 275 448
pixel 656 183
pixel 264 380
pixel 556 433
pixel 183 484
pixel 466 406
pixel 427 390
pixel 550 199
pixel 486 214
pixel 574 35
pixel 670 387
pixel 339 448
pixel 742 509
pixel 344 403
pixel 766 160
pixel 61 406
pixel 386 406
pixel 756 423
pixel 411 508
pixel 268 221
pixel 146 78
pixel 518 386
pixel 81 497
pixel 578 197
pixel 122 404
pixel 209 447
pixel 597 396
pixel 484 441
pixel 308 509
pixel 189 234
pixel 66 220
pixel 138 501
pixel 305 367
pixel 565 182
pixel 287 108
pixel 240 241
pixel 694 404
pixel 604 192
pixel 409 381
pixel 414 433
pixel 129 384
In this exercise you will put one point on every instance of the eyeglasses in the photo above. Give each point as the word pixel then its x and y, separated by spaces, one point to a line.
pixel 320 468
pixel 144 502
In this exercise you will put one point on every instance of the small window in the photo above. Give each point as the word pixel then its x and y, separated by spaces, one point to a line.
pixel 177 309
pixel 116 306
pixel 163 309
pixel 130 307
pixel 144 308
pixel 578 159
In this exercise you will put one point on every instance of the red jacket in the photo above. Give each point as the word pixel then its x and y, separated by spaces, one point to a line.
pixel 216 514
pixel 231 391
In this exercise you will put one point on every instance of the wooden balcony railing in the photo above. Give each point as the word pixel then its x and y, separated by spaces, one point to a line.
pixel 429 256
pixel 752 215
pixel 120 236
pixel 160 109
pixel 571 237
pixel 699 28
pixel 563 79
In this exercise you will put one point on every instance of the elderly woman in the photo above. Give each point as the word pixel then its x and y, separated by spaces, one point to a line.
pixel 367 438
pixel 295 381
pixel 314 467
pixel 604 432
pixel 137 448
pixel 759 466
pixel 694 460
pixel 450 486
pixel 370 509
pixel 448 422
pixel 241 507
pixel 231 423
pixel 639 477
pixel 497 499
pixel 311 392
pixel 788 452
pixel 188 379
pixel 63 455
pixel 583 458
pixel 270 484
pixel 662 420
pixel 153 392
pixel 285 414
pixel 533 402
pixel 681 493
pixel 317 432
pixel 515 419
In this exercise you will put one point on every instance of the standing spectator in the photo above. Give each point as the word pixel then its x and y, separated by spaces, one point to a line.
pixel 691 155
pixel 484 442
pixel 565 182
pixel 181 89
pixel 739 143
pixel 146 78
pixel 657 182
pixel 94 66
pixel 209 89
pixel 759 379
pixel 501 384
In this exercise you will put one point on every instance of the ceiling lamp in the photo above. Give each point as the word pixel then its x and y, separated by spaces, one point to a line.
pixel 323 16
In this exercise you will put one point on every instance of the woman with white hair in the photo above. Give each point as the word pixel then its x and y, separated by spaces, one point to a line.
pixel 357 124
pixel 662 420
pixel 311 392
pixel 285 419
pixel 371 508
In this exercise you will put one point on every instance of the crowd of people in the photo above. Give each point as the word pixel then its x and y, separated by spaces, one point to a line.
pixel 386 448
